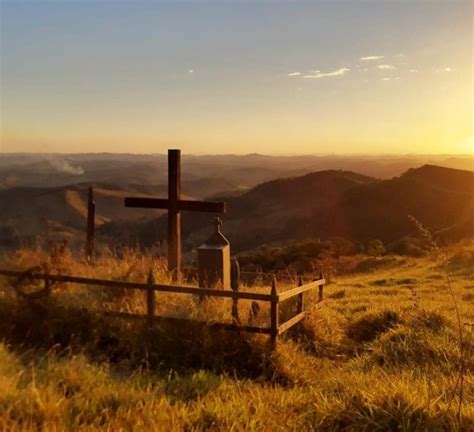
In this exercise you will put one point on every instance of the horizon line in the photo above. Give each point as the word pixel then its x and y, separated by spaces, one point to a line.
pixel 469 155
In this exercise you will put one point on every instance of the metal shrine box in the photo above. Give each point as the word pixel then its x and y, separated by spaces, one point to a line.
pixel 214 260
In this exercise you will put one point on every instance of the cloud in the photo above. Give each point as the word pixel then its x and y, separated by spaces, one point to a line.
pixel 443 69
pixel 386 67
pixel 369 58
pixel 190 71
pixel 386 79
pixel 414 70
pixel 338 72
pixel 294 74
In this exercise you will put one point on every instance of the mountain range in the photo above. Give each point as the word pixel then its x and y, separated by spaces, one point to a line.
pixel 332 203
pixel 270 198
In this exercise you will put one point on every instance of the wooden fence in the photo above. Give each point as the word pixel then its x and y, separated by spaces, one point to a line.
pixel 150 288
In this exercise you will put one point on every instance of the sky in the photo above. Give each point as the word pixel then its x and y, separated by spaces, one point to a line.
pixel 335 77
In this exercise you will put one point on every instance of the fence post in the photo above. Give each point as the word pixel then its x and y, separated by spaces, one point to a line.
pixel 274 314
pixel 235 285
pixel 300 301
pixel 320 288
pixel 90 225
pixel 150 298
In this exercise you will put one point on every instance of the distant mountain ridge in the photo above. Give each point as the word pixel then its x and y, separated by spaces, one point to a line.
pixel 332 203
pixel 241 171
pixel 319 204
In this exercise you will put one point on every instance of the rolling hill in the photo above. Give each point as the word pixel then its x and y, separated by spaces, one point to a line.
pixel 331 203
pixel 59 212
pixel 320 204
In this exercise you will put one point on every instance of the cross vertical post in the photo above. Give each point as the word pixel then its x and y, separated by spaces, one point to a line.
pixel 90 225
pixel 174 216
pixel 174 204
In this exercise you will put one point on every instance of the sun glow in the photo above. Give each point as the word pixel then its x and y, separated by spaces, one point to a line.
pixel 468 145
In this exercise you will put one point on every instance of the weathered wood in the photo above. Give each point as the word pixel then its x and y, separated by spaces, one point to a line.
pixel 175 205
pixel 274 314
pixel 235 275
pixel 150 297
pixel 244 295
pixel 150 287
pixel 254 311
pixel 300 303
pixel 90 231
pixel 291 322
pixel 183 205
pixel 211 325
pixel 294 291
pixel 174 216
pixel 235 285
pixel 321 288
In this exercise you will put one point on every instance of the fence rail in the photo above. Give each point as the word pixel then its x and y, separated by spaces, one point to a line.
pixel 274 298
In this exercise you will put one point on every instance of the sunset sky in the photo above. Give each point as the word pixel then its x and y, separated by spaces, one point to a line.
pixel 237 76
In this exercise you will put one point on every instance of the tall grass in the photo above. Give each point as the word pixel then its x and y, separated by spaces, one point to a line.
pixel 369 357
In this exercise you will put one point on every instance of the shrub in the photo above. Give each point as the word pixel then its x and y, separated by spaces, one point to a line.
pixel 375 247
pixel 407 246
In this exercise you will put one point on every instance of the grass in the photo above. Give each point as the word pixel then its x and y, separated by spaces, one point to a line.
pixel 381 352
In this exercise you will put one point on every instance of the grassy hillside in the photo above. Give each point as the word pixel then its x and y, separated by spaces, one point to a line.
pixel 61 212
pixel 381 352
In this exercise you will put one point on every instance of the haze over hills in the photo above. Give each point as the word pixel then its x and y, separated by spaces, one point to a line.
pixel 333 203
pixel 271 198
pixel 229 171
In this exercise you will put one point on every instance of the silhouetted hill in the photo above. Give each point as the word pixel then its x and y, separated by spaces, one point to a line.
pixel 439 198
pixel 334 203
pixel 60 212
pixel 441 177
pixel 240 172
pixel 320 204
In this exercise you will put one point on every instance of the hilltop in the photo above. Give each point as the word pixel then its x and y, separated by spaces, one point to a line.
pixel 381 352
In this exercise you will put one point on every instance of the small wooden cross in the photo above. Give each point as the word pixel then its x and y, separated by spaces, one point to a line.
pixel 217 224
pixel 174 204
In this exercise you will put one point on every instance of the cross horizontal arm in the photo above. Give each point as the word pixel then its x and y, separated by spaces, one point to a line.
pixel 184 205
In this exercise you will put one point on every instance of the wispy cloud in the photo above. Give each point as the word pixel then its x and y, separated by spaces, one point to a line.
pixel 294 74
pixel 338 72
pixel 386 79
pixel 414 70
pixel 386 67
pixel 370 58
pixel 444 69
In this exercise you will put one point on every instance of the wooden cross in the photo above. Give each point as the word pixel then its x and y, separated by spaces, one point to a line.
pixel 174 204
pixel 90 225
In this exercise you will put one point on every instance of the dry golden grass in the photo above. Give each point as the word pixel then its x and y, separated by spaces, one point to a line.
pixel 380 353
